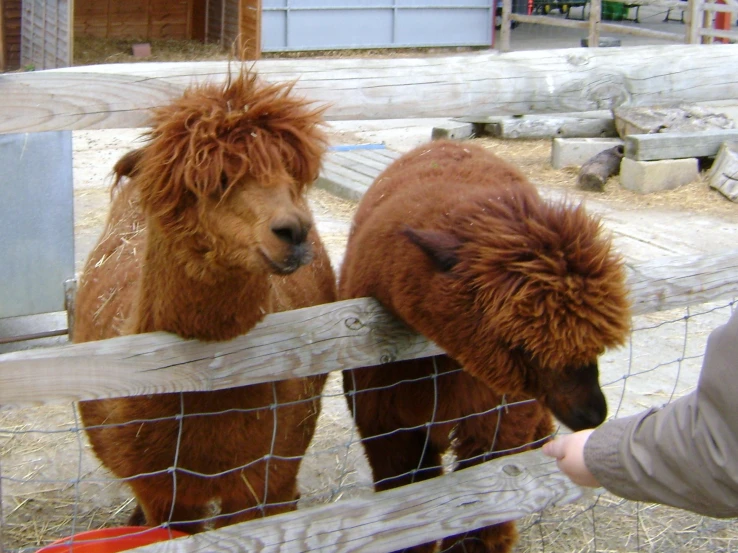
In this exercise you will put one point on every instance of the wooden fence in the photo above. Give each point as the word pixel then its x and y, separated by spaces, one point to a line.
pixel 552 81
pixel 322 339
pixel 699 29
pixel 358 332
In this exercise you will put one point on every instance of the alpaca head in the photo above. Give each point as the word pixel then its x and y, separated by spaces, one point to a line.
pixel 224 173
pixel 539 295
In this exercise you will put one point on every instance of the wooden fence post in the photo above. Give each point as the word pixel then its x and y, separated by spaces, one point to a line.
pixel 595 19
pixel 505 26
pixel 693 32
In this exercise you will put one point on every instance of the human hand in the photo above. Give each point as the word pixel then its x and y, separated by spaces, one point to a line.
pixel 568 450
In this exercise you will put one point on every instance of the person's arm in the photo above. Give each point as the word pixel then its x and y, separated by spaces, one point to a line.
pixel 684 455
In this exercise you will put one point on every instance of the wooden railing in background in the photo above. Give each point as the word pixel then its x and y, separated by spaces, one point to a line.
pixel 698 30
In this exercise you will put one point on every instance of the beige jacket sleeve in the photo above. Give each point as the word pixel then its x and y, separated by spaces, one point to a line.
pixel 685 454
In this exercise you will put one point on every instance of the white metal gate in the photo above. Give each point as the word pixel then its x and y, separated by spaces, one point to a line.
pixel 340 24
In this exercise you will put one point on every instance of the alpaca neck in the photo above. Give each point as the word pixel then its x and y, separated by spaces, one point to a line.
pixel 218 306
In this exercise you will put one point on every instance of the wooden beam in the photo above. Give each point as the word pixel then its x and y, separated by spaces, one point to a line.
pixel 676 282
pixel 595 22
pixel 649 147
pixel 724 172
pixel 547 126
pixel 551 81
pixel 316 340
pixel 249 36
pixel 297 343
pixel 496 491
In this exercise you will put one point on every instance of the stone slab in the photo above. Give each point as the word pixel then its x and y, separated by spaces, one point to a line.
pixel 567 152
pixel 724 172
pixel 684 118
pixel 453 131
pixel 653 176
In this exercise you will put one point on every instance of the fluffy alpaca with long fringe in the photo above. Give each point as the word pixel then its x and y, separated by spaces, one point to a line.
pixel 522 294
pixel 209 230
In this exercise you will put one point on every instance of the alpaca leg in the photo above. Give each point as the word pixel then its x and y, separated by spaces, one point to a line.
pixel 179 515
pixel 137 518
pixel 479 439
pixel 403 458
pixel 188 518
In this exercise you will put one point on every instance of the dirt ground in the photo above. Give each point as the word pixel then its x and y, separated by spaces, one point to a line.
pixel 53 486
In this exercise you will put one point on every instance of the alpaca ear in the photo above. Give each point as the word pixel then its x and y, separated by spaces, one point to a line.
pixel 440 247
pixel 127 166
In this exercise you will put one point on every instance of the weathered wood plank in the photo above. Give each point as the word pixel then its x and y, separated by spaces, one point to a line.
pixel 315 340
pixel 354 163
pixel 649 147
pixel 489 493
pixel 663 284
pixel 453 131
pixel 486 83
pixel 373 162
pixel 551 127
pixel 662 119
pixel 724 172
pixel 285 345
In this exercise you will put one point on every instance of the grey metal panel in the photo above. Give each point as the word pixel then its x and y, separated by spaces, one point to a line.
pixel 340 29
pixel 329 24
pixel 451 4
pixel 439 27
pixel 331 4
pixel 273 31
pixel 36 222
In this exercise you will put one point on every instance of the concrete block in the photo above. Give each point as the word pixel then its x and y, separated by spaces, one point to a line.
pixel 566 152
pixel 453 131
pixel 645 177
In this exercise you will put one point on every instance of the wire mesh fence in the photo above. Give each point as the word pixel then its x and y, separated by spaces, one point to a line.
pixel 53 486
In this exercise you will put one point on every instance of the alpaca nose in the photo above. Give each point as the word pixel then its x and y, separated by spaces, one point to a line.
pixel 293 232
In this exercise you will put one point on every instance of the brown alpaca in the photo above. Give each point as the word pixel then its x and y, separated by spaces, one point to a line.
pixel 523 294
pixel 209 232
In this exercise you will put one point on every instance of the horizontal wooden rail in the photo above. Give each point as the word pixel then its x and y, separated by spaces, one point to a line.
pixel 604 27
pixel 487 83
pixel 316 340
pixel 495 491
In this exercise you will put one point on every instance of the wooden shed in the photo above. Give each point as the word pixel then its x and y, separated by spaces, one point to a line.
pixel 10 34
pixel 38 33
pixel 232 23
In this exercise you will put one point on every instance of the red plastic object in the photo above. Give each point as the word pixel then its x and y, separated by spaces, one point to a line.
pixel 722 22
pixel 111 540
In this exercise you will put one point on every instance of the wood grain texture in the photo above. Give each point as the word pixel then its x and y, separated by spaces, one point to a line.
pixel 649 147
pixel 553 81
pixel 547 126
pixel 670 283
pixel 285 345
pixel 341 335
pixel 724 172
pixel 495 491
